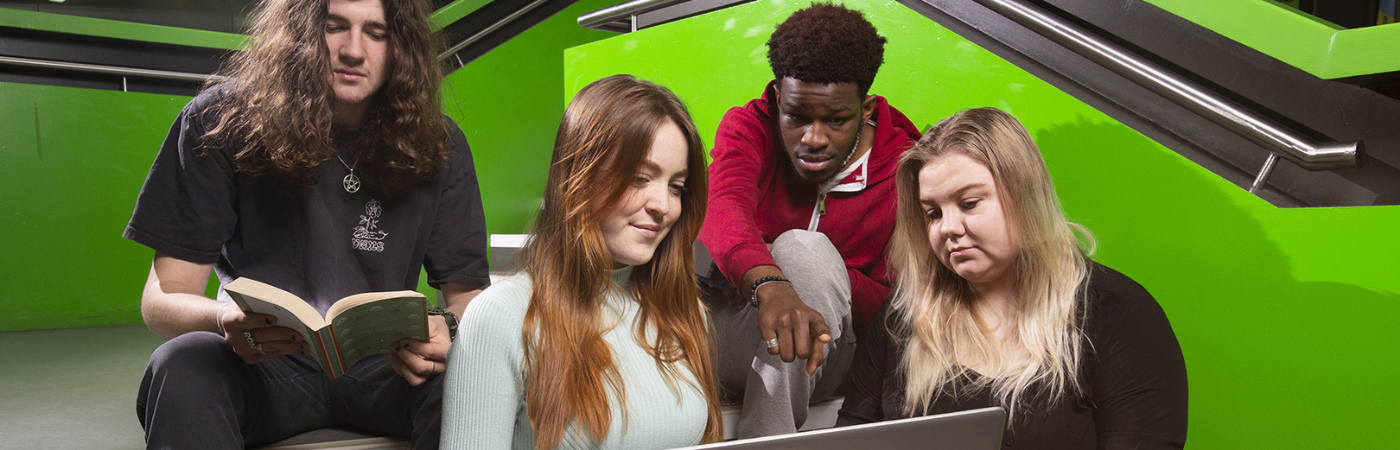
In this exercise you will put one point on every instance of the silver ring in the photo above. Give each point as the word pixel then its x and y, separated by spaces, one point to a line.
pixel 434 366
pixel 771 343
pixel 258 347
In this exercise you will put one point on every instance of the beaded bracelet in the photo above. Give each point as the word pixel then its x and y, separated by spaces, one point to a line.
pixel 753 291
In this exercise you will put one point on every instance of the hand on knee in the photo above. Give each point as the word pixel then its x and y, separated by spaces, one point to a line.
pixel 789 328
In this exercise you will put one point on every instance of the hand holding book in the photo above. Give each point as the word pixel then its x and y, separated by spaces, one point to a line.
pixel 263 339
pixel 417 361
pixel 353 327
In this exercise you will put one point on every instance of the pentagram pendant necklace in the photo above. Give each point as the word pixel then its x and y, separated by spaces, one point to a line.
pixel 351 183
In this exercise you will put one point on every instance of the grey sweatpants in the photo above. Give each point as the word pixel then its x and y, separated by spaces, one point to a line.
pixel 776 394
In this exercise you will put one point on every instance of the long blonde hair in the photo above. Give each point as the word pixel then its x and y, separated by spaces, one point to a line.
pixel 933 306
pixel 605 135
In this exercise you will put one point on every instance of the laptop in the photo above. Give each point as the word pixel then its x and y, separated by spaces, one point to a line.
pixel 977 429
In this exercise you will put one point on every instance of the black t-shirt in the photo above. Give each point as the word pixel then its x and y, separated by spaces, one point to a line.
pixel 321 244
pixel 1132 374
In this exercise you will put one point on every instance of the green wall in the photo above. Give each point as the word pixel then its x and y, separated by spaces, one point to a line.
pixel 72 161
pixel 507 103
pixel 1294 37
pixel 1286 316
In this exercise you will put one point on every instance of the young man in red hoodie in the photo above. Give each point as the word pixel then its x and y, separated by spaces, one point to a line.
pixel 802 203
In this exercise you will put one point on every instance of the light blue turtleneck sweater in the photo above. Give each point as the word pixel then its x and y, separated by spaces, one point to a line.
pixel 484 393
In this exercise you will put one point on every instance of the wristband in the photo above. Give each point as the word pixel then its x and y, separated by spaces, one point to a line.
pixel 219 318
pixel 753 291
pixel 450 318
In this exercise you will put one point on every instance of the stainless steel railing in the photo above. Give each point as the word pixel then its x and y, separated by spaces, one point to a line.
pixel 603 19
pixel 1280 140
pixel 125 72
pixel 451 52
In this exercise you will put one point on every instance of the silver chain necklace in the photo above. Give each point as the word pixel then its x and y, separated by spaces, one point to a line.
pixel 351 183
pixel 856 146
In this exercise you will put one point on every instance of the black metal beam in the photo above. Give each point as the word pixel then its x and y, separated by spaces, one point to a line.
pixel 1298 100
pixel 83 49
pixel 488 15
pixel 63 47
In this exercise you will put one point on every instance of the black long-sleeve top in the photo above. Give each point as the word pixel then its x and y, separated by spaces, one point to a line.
pixel 1132 375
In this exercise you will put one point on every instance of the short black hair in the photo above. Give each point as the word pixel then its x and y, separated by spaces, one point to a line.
pixel 827 43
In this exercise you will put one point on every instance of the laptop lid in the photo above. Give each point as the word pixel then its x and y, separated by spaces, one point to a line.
pixel 977 429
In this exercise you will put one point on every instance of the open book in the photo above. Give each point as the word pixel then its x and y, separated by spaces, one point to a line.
pixel 354 327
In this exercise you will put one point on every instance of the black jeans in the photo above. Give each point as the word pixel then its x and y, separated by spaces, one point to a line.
pixel 197 393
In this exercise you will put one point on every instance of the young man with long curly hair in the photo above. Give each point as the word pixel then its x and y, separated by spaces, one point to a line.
pixel 801 211
pixel 322 165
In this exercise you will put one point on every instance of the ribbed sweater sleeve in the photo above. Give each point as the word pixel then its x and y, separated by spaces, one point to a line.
pixel 483 392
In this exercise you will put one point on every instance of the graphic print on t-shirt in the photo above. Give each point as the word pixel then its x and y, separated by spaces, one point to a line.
pixel 366 236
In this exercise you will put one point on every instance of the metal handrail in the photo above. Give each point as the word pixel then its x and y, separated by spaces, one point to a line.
pixel 1248 124
pixel 109 70
pixel 488 30
pixel 597 19
pixel 186 76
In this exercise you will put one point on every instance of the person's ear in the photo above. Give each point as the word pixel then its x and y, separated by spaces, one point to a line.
pixel 867 108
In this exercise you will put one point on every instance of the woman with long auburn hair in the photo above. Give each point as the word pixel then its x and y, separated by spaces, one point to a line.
pixel 601 341
pixel 998 304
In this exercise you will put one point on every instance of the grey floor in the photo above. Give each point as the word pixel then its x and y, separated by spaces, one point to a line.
pixel 73 388
pixel 76 388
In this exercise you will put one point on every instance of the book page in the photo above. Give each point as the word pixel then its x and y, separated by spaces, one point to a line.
pixel 290 310
pixel 360 299
pixel 372 327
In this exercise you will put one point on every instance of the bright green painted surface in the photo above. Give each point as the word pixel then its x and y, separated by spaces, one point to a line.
pixel 1299 39
pixel 507 103
pixel 1286 316
pixel 73 160
pixel 62 23
pixel 455 11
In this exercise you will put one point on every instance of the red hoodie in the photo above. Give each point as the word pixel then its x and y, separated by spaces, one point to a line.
pixel 755 195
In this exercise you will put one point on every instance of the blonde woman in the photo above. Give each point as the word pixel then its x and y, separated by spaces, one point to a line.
pixel 601 342
pixel 998 304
